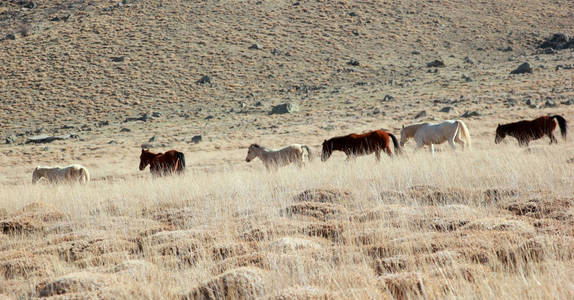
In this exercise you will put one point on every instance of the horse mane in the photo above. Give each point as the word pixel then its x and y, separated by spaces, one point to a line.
pixel 255 145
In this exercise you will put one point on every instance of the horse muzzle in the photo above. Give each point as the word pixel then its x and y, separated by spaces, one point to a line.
pixel 248 160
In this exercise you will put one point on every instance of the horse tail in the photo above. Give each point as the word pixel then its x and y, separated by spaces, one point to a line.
pixel 396 144
pixel 465 133
pixel 181 164
pixel 563 125
pixel 84 175
pixel 308 151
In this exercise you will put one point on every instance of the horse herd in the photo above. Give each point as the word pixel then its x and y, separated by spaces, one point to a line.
pixel 377 141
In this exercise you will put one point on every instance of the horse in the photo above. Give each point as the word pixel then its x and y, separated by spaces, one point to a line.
pixel 453 131
pixel 69 174
pixel 161 164
pixel 278 158
pixel 361 144
pixel 526 131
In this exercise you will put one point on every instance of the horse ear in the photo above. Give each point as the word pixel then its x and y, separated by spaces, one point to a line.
pixel 403 126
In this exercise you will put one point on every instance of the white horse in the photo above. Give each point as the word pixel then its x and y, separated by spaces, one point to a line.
pixel 278 158
pixel 70 174
pixel 431 134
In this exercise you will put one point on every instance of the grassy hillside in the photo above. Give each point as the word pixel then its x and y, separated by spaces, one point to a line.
pixel 88 61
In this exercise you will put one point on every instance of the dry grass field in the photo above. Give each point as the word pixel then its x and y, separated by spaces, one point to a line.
pixel 495 222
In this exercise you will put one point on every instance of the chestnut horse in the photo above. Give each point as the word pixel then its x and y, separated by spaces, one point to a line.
pixel 162 163
pixel 361 144
pixel 526 131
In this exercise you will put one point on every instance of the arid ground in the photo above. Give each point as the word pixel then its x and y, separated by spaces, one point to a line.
pixel 493 222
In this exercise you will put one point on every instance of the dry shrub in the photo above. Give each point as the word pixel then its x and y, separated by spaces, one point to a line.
pixel 182 253
pixel 286 244
pixel 271 228
pixel 317 210
pixel 105 259
pixel 88 249
pixel 330 231
pixel 324 196
pixel 28 266
pixel 440 258
pixel 554 227
pixel 241 283
pixel 224 251
pixel 34 217
pixel 404 285
pixel 446 225
pixel 73 283
pixel 132 266
pixel 380 213
pixel 394 197
pixel 257 259
pixel 176 217
pixel 498 224
pixel 496 195
pixel 440 196
pixel 530 251
pixel 393 264
pixel 302 293
pixel 199 235
pixel 537 208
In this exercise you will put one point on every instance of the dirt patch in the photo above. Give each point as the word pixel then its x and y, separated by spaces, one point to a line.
pixel 324 196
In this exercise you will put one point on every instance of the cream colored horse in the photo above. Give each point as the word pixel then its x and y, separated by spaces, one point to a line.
pixel 453 131
pixel 273 159
pixel 69 174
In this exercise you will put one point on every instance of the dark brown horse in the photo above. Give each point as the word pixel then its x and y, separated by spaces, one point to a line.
pixel 162 163
pixel 361 144
pixel 526 131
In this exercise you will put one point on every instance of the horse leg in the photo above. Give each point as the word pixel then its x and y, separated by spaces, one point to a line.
pixel 552 138
pixel 378 155
pixel 432 149
pixel 419 146
pixel 388 150
pixel 452 145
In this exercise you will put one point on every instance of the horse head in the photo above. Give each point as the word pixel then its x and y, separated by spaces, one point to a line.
pixel 404 136
pixel 253 152
pixel 500 134
pixel 145 159
pixel 327 150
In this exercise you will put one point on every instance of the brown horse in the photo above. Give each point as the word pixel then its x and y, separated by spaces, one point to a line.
pixel 526 131
pixel 162 163
pixel 361 144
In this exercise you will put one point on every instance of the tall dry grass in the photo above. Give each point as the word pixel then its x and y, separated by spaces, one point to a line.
pixel 491 223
